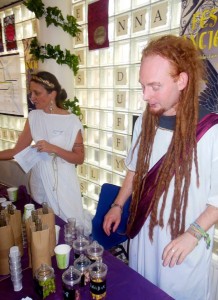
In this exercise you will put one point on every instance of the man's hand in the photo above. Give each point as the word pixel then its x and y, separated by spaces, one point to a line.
pixel 177 250
pixel 112 220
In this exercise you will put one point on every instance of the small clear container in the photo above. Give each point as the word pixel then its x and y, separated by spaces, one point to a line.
pixel 82 264
pixel 45 281
pixel 79 246
pixel 98 273
pixel 70 281
pixel 95 251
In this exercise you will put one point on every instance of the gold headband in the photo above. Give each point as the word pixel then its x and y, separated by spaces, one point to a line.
pixel 45 82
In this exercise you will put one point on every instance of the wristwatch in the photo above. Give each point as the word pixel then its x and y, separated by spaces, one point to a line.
pixel 117 205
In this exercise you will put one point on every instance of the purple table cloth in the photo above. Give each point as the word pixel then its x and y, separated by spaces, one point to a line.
pixel 123 283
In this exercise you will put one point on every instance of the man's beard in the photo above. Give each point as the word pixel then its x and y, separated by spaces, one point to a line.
pixel 156 113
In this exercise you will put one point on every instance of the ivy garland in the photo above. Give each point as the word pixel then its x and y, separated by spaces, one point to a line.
pixel 48 51
pixel 53 15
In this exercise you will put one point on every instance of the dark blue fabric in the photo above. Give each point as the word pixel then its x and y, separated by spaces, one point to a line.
pixel 106 198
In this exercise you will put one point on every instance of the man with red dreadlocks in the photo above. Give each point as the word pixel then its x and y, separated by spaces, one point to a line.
pixel 172 174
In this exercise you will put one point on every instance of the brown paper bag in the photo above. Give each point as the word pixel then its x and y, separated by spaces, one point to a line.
pixel 40 248
pixel 49 220
pixel 29 223
pixel 6 242
pixel 16 224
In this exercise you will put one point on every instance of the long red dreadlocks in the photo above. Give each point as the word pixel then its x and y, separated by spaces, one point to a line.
pixel 182 150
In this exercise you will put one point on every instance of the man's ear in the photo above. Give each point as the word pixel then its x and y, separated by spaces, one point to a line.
pixel 182 80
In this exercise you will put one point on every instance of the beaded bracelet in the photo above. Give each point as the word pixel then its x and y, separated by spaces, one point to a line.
pixel 196 230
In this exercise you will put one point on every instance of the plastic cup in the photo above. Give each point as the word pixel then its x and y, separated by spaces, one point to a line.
pixel 12 193
pixel 17 286
pixel 57 233
pixel 16 276
pixel 62 253
pixel 28 209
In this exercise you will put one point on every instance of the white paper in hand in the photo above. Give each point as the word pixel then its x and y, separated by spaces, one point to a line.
pixel 28 157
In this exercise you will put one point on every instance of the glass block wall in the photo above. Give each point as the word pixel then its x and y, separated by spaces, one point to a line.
pixel 108 88
pixel 25 27
pixel 106 85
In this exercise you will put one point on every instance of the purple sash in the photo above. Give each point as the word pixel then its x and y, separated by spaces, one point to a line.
pixel 145 204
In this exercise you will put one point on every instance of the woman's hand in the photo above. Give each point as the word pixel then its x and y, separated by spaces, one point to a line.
pixel 112 220
pixel 44 146
pixel 177 250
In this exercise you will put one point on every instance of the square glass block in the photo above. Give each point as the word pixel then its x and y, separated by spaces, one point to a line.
pixel 19 31
pixel 140 22
pixel 160 17
pixel 23 81
pixel 175 13
pixel 82 54
pixel 107 56
pixel 82 170
pixel 9 12
pixel 106 77
pixel 11 122
pixel 83 186
pixel 22 65
pixel 83 117
pixel 93 58
pixel 111 30
pixel 12 135
pixel 106 160
pixel 105 176
pixel 122 26
pixel 137 3
pixel 5 134
pixel 134 76
pixel 137 104
pixel 121 76
pixel 118 164
pixel 20 48
pixel 90 203
pixel 122 50
pixel 81 39
pixel 79 12
pixel 80 79
pixel 106 140
pixel 93 174
pixel 93 118
pixel 17 13
pixel 121 99
pixel 93 156
pixel 81 95
pixel 118 179
pixel 93 98
pixel 120 143
pixel 5 121
pixel 106 120
pixel 106 99
pixel 92 137
pixel 7 145
pixel 26 13
pixel 137 45
pixel 121 6
pixel 93 78
pixel 120 122
pixel 28 29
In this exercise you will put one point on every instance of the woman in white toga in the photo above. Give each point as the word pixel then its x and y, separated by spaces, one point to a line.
pixel 59 134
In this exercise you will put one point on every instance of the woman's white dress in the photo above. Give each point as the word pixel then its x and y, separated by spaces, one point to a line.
pixel 54 180
pixel 190 280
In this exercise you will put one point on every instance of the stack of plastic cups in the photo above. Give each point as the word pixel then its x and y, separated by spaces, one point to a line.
pixel 70 231
pixel 69 234
pixel 15 268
